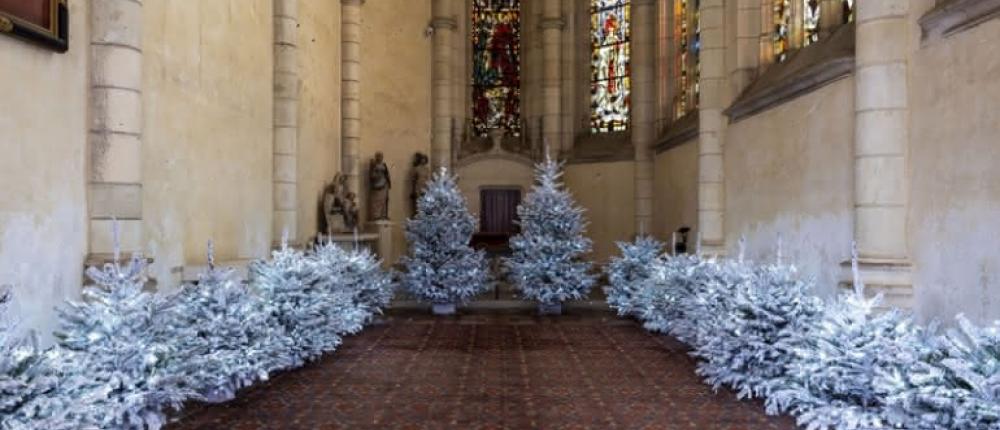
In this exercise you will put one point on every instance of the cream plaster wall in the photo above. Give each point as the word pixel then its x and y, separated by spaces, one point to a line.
pixel 675 191
pixel 395 96
pixel 208 131
pixel 789 171
pixel 955 182
pixel 319 107
pixel 43 147
pixel 606 191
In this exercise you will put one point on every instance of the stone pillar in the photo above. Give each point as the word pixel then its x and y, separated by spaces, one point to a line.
pixel 711 128
pixel 286 121
pixel 444 25
pixel 350 93
pixel 552 25
pixel 748 27
pixel 643 109
pixel 880 147
pixel 115 174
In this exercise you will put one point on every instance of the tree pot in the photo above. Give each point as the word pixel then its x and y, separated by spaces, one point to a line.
pixel 550 309
pixel 443 308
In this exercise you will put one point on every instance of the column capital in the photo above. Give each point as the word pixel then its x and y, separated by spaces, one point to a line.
pixel 444 23
pixel 557 23
pixel 352 2
pixel 643 2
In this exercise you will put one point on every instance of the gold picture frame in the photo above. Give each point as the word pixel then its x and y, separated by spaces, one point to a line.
pixel 41 21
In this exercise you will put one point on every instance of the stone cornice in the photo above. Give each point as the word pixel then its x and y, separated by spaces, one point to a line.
pixel 805 70
pixel 679 132
pixel 953 16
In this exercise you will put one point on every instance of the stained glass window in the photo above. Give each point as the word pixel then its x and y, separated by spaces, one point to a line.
pixel 848 11
pixel 496 66
pixel 687 64
pixel 810 22
pixel 610 84
pixel 782 18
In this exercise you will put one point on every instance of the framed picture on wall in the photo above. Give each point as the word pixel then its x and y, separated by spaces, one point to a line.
pixel 41 21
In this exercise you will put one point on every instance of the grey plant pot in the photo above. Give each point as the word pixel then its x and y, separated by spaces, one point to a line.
pixel 550 309
pixel 443 309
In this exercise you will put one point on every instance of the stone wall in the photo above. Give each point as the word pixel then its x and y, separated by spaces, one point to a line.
pixel 606 191
pixel 675 187
pixel 208 131
pixel 43 217
pixel 954 179
pixel 788 171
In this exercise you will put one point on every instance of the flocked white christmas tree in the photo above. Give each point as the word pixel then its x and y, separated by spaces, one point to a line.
pixel 547 262
pixel 358 274
pixel 831 382
pixel 289 284
pixel 25 376
pixel 228 337
pixel 116 352
pixel 628 273
pixel 751 347
pixel 442 268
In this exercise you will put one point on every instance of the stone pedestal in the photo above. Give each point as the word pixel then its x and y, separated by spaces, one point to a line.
pixel 550 309
pixel 383 229
pixel 367 241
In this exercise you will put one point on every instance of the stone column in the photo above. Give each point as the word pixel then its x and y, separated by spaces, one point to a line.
pixel 643 109
pixel 711 128
pixel 747 44
pixel 880 146
pixel 552 25
pixel 286 121
pixel 350 92
pixel 115 174
pixel 444 25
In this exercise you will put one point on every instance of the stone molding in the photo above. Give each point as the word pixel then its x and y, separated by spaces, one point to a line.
pixel 679 132
pixel 805 70
pixel 446 23
pixel 602 148
pixel 557 23
pixel 954 16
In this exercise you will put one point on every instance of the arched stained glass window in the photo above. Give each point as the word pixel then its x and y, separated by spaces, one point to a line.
pixel 780 36
pixel 496 66
pixel 610 84
pixel 848 11
pixel 687 53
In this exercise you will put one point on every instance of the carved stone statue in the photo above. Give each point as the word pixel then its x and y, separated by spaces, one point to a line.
pixel 421 175
pixel 339 207
pixel 379 184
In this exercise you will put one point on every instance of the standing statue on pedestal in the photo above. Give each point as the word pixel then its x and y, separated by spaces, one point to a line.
pixel 379 185
pixel 421 174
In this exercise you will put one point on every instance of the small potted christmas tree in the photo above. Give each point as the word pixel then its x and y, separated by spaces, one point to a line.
pixel 546 264
pixel 442 268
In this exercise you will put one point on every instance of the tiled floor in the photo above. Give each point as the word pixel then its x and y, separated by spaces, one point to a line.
pixel 491 371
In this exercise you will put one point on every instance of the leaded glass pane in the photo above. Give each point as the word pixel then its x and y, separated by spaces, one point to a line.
pixel 610 71
pixel 496 66
pixel 810 21
pixel 782 11
pixel 848 11
pixel 687 64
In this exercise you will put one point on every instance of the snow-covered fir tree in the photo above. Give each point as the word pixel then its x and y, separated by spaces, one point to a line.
pixel 288 283
pixel 658 297
pixel 627 273
pixel 114 361
pixel 948 381
pixel 750 348
pixel 831 381
pixel 24 372
pixel 442 268
pixel 357 273
pixel 227 336
pixel 547 264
